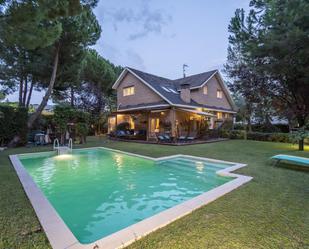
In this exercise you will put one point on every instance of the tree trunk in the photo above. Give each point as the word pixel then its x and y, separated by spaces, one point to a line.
pixel 25 91
pixel 29 95
pixel 249 126
pixel 20 99
pixel 44 101
pixel 301 123
pixel 301 144
pixel 72 97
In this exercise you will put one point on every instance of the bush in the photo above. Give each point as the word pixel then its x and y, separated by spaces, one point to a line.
pixel 260 136
pixel 123 126
pixel 13 121
pixel 232 134
pixel 271 137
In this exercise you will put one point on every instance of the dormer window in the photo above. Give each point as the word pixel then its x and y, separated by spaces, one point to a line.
pixel 127 91
pixel 219 94
pixel 205 90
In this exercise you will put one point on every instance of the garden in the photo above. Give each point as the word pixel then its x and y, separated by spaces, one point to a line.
pixel 269 212
pixel 49 55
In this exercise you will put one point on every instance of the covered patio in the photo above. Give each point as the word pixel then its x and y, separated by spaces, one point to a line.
pixel 149 125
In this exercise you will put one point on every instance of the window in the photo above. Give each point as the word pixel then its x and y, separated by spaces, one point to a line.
pixel 219 94
pixel 205 90
pixel 173 91
pixel 166 89
pixel 128 91
pixel 226 115
pixel 219 115
pixel 154 125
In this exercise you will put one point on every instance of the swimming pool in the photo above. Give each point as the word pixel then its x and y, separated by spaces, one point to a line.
pixel 99 191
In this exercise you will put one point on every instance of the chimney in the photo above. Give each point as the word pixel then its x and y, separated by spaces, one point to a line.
pixel 185 94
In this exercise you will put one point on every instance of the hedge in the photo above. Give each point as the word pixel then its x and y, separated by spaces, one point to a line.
pixel 13 121
pixel 259 136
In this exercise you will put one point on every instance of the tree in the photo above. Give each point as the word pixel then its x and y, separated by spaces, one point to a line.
pixel 91 90
pixel 273 44
pixel 79 32
pixel 283 45
pixel 59 31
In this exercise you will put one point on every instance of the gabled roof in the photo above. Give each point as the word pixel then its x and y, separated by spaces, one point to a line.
pixel 169 89
pixel 196 80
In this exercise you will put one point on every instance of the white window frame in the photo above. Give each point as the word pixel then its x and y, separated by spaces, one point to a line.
pixel 219 94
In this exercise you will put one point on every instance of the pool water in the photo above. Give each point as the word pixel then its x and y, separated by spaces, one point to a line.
pixel 98 192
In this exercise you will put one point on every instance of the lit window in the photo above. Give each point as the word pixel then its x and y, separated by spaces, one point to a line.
pixel 154 125
pixel 226 115
pixel 219 94
pixel 219 115
pixel 205 90
pixel 128 91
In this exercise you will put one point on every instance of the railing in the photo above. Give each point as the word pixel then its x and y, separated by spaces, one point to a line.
pixel 70 145
pixel 63 149
pixel 56 144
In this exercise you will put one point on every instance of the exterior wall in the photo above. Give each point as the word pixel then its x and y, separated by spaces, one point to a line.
pixel 211 97
pixel 143 94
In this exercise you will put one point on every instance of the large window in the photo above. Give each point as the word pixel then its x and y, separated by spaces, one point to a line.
pixel 154 125
pixel 205 90
pixel 219 94
pixel 127 91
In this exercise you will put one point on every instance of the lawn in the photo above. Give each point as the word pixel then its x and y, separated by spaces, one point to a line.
pixel 271 211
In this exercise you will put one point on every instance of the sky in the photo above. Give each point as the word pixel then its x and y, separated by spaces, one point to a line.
pixel 159 36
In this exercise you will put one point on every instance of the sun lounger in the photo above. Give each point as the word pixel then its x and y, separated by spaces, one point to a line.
pixel 292 159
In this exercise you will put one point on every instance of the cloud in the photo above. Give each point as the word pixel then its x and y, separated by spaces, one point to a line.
pixel 145 19
pixel 135 59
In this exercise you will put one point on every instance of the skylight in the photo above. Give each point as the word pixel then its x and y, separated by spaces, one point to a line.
pixel 168 89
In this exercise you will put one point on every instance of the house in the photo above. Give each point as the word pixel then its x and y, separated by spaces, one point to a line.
pixel 151 105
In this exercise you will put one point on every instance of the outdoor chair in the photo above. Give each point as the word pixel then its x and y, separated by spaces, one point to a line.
pixel 120 133
pixel 295 161
pixel 182 139
pixel 191 137
pixel 167 138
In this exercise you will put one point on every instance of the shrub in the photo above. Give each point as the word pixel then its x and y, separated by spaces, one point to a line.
pixel 262 136
pixel 13 121
pixel 123 126
pixel 232 134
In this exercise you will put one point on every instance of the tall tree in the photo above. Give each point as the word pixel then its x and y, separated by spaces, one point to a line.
pixel 78 33
pixel 283 46
pixel 92 90
pixel 274 41
pixel 58 30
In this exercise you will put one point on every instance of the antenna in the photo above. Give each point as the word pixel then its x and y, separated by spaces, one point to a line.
pixel 184 69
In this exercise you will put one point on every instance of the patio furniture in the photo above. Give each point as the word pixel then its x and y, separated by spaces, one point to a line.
pixel 191 137
pixel 120 133
pixel 296 160
pixel 182 139
pixel 161 138
pixel 168 138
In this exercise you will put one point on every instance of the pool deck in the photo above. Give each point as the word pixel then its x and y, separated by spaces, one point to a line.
pixel 61 237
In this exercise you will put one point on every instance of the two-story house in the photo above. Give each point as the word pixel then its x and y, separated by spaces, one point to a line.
pixel 153 104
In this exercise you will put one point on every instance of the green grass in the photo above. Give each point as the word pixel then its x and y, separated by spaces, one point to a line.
pixel 271 211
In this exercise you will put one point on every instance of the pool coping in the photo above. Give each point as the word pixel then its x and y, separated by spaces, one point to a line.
pixel 61 237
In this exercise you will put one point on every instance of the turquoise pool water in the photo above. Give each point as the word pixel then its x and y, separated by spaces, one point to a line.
pixel 98 192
